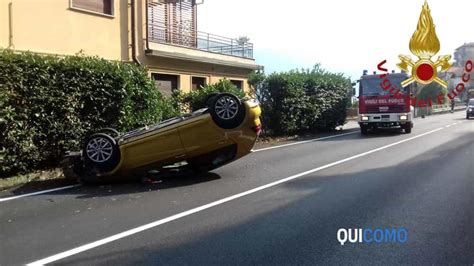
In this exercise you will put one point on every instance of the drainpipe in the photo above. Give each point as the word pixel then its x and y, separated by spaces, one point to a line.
pixel 134 37
pixel 147 43
pixel 10 25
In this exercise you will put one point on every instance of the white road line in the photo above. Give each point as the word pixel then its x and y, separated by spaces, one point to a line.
pixel 270 148
pixel 38 193
pixel 305 141
pixel 142 228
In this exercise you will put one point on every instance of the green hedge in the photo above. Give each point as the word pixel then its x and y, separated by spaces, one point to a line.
pixel 48 105
pixel 196 99
pixel 303 100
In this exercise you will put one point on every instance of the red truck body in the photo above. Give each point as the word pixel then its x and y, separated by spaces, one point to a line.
pixel 384 108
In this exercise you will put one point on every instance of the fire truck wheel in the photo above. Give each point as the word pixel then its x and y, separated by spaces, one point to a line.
pixel 364 130
pixel 407 129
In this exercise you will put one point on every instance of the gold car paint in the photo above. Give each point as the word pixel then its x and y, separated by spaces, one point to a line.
pixel 165 144
pixel 201 136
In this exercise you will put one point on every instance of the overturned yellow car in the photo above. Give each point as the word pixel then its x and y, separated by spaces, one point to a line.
pixel 206 139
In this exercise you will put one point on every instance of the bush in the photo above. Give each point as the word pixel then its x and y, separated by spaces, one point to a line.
pixel 48 105
pixel 300 101
pixel 196 99
pixel 431 91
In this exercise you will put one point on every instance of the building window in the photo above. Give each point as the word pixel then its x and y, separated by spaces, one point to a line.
pixel 165 83
pixel 197 83
pixel 238 83
pixel 104 7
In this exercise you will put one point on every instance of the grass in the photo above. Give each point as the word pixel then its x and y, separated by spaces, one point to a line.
pixel 6 183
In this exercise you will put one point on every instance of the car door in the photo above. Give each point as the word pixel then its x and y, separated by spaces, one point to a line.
pixel 153 147
pixel 200 135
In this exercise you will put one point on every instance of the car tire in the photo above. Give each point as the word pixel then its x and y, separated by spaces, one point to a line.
pixel 227 111
pixel 467 116
pixel 364 130
pixel 407 129
pixel 110 131
pixel 101 154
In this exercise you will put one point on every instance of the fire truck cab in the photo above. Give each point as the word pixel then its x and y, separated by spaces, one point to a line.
pixel 384 108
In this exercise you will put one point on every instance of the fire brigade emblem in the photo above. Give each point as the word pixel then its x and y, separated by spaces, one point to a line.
pixel 424 44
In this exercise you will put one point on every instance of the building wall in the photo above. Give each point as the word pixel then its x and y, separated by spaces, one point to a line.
pixel 185 78
pixel 464 53
pixel 184 69
pixel 51 26
pixel 4 24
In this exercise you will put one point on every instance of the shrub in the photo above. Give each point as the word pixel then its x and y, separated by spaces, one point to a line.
pixel 48 105
pixel 300 101
pixel 196 99
pixel 431 91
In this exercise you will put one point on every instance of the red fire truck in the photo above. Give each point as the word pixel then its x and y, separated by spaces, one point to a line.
pixel 383 106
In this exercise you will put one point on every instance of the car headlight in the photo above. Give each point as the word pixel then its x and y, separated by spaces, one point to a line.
pixel 365 118
pixel 470 109
pixel 403 117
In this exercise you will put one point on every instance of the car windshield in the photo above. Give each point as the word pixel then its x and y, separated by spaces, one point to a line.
pixel 372 87
pixel 471 102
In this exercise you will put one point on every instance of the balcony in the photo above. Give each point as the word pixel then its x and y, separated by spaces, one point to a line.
pixel 184 37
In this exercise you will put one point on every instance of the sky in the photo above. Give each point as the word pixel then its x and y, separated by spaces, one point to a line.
pixel 344 36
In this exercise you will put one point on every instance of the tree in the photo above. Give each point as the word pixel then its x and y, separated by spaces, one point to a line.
pixel 431 91
pixel 242 40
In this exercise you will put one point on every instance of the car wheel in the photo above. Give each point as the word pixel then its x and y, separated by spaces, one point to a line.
pixel 467 116
pixel 101 153
pixel 407 129
pixel 227 111
pixel 110 131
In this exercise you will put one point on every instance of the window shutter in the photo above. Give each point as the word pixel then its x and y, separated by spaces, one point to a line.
pixel 173 21
pixel 158 21
pixel 99 6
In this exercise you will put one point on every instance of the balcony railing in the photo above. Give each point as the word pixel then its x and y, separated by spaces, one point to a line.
pixel 159 33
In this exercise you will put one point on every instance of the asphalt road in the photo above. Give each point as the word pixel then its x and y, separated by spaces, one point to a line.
pixel 277 206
